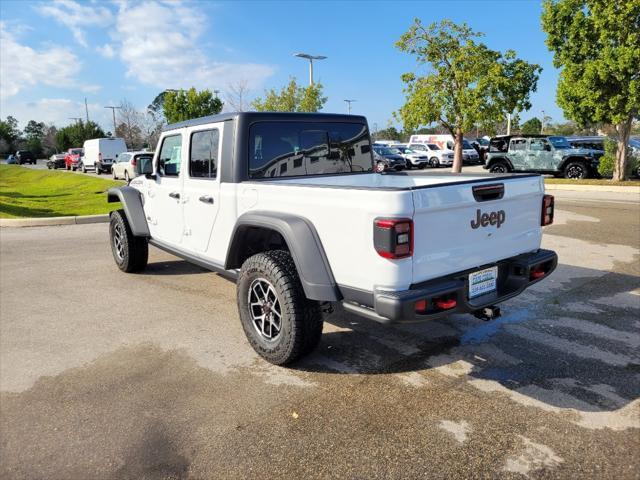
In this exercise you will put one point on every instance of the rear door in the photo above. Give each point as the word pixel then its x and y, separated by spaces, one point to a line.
pixel 458 227
pixel 201 188
pixel 539 154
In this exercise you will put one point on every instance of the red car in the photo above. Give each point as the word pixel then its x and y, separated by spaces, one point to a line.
pixel 72 158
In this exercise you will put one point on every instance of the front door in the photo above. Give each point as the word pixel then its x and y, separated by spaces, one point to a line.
pixel 164 206
pixel 201 187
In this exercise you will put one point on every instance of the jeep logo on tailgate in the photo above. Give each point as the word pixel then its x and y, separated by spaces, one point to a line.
pixel 485 219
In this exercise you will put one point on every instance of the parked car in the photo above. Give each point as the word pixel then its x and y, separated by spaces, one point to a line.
pixel 25 156
pixel 11 159
pixel 387 143
pixel 437 156
pixel 72 158
pixel 99 154
pixel 589 143
pixel 469 154
pixel 386 158
pixel 393 248
pixel 541 154
pixel 414 158
pixel 127 164
pixel 57 160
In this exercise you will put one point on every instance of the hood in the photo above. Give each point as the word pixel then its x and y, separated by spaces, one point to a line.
pixel 587 152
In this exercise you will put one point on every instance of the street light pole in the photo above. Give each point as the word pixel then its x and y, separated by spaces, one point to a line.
pixel 542 124
pixel 349 102
pixel 311 58
pixel 113 110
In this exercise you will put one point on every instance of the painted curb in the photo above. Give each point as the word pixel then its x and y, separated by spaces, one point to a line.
pixel 592 188
pixel 51 221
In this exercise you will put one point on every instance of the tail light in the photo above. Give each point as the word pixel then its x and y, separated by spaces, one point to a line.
pixel 393 237
pixel 133 162
pixel 547 210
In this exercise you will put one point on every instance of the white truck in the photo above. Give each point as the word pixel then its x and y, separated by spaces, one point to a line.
pixel 288 205
pixel 100 153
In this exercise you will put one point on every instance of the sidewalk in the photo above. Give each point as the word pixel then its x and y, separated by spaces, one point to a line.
pixel 49 221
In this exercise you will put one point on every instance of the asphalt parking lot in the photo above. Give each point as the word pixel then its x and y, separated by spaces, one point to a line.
pixel 149 376
pixel 41 164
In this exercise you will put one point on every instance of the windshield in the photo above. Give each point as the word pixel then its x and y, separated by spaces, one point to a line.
pixel 76 151
pixel 433 146
pixel 483 141
pixel 394 151
pixel 466 145
pixel 559 143
pixel 634 142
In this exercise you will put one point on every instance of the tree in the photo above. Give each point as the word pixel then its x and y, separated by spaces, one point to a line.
pixel 533 125
pixel 75 134
pixel 467 84
pixel 180 105
pixel 389 133
pixel 9 133
pixel 291 98
pixel 130 126
pixel 236 96
pixel 597 46
pixel 34 133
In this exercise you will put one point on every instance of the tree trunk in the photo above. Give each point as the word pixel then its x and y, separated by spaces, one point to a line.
pixel 620 167
pixel 457 152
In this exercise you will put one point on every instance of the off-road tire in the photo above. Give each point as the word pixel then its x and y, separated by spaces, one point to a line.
pixel 301 323
pixel 499 167
pixel 576 171
pixel 135 250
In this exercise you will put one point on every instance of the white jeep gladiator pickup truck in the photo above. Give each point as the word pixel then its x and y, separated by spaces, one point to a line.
pixel 288 205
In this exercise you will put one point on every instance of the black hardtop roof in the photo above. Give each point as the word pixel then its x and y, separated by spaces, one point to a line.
pixel 250 117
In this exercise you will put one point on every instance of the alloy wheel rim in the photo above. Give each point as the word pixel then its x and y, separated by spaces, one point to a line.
pixel 575 171
pixel 118 242
pixel 265 309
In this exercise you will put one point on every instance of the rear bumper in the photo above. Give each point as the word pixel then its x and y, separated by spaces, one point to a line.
pixel 514 276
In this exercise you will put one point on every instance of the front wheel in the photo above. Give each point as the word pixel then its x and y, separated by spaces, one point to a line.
pixel 575 171
pixel 280 323
pixel 434 162
pixel 131 253
pixel 379 167
pixel 98 169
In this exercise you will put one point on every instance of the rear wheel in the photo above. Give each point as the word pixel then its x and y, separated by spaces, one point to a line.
pixel 434 162
pixel 98 169
pixel 130 253
pixel 280 323
pixel 499 167
pixel 575 171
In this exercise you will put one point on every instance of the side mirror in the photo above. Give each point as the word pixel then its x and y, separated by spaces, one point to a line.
pixel 547 148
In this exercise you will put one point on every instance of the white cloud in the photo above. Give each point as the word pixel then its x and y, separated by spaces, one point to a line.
pixel 55 110
pixel 106 50
pixel 77 16
pixel 165 52
pixel 22 66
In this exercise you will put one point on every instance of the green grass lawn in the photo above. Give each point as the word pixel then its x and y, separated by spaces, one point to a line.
pixel 594 181
pixel 44 193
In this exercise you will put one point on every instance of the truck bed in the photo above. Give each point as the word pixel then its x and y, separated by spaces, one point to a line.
pixel 389 181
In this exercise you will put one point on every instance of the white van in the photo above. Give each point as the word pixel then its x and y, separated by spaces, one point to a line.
pixel 99 154
pixel 469 154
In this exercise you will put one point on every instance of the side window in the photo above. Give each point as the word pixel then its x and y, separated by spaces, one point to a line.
pixel 518 144
pixel 123 158
pixel 169 158
pixel 539 144
pixel 203 154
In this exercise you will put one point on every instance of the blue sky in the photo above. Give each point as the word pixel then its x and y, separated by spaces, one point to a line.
pixel 56 53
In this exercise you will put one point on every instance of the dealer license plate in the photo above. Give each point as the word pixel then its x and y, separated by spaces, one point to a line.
pixel 483 281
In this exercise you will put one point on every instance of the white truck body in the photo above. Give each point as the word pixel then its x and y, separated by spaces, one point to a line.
pixel 102 150
pixel 385 241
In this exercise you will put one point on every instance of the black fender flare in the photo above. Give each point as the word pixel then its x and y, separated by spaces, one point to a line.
pixel 500 159
pixel 586 160
pixel 132 203
pixel 304 244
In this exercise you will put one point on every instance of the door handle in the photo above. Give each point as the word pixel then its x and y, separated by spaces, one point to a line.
pixel 206 199
pixel 174 195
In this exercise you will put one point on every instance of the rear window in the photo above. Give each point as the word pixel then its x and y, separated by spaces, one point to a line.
pixel 284 149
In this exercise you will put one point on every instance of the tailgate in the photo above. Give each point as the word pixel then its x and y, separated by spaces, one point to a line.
pixel 464 226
